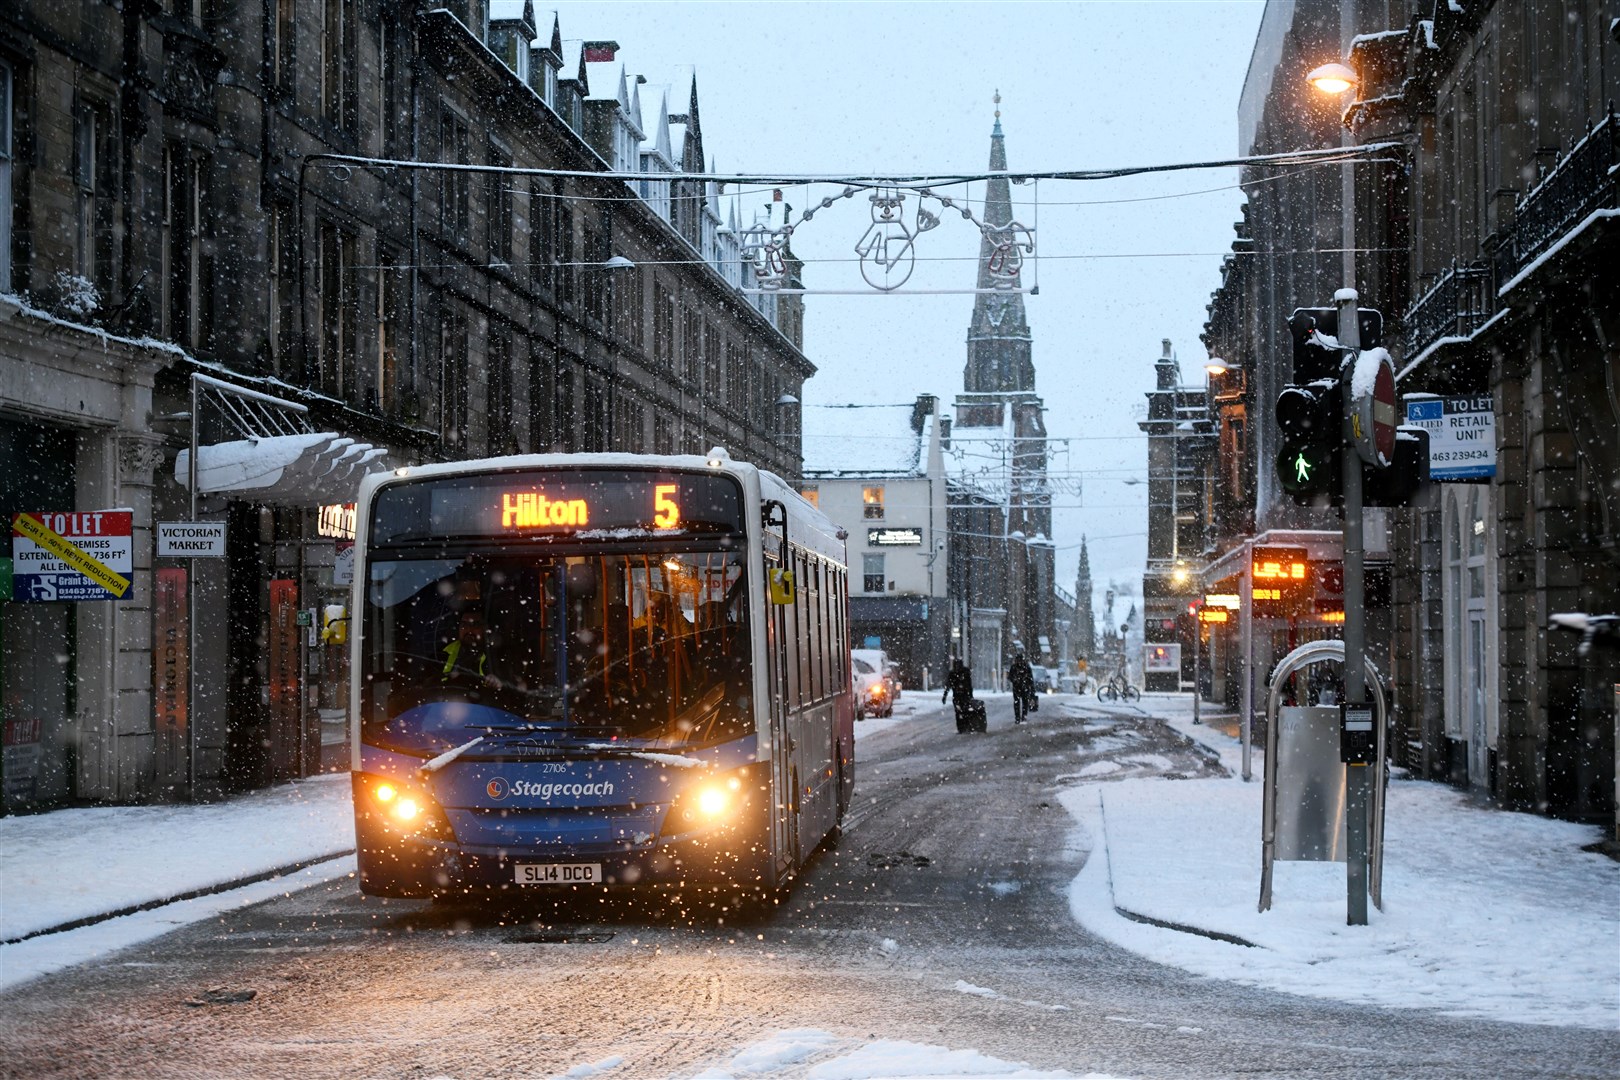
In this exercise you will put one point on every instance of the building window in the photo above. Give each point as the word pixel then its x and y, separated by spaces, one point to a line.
pixel 455 185
pixel 631 317
pixel 393 291
pixel 281 47
pixel 499 189
pixel 453 364
pixel 812 495
pixel 691 345
pixel 563 254
pixel 598 418
pixel 872 579
pixel 337 313
pixel 187 270
pixel 337 64
pixel 94 182
pixel 872 501
pixel 663 434
pixel 5 177
pixel 498 389
pixel 663 327
pixel 541 224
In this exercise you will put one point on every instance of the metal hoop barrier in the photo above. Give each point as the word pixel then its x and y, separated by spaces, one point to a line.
pixel 1314 652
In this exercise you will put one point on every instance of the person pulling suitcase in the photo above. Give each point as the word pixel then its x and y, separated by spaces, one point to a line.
pixel 959 688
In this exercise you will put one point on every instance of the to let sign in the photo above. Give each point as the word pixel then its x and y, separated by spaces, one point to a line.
pixel 72 555
pixel 191 539
pixel 1462 434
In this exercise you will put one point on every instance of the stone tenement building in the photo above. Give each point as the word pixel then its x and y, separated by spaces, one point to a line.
pixel 170 208
pixel 1489 241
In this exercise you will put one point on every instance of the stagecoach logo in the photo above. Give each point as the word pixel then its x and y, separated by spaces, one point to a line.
pixel 498 789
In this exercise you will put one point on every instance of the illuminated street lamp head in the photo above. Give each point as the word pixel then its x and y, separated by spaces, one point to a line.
pixel 1216 366
pixel 1179 574
pixel 1332 78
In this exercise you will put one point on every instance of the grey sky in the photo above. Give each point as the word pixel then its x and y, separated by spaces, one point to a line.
pixel 890 87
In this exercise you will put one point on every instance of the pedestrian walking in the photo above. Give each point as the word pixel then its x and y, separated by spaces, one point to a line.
pixel 1022 678
pixel 959 688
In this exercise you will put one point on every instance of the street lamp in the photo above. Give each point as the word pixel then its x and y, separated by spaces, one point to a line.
pixel 1216 366
pixel 1336 78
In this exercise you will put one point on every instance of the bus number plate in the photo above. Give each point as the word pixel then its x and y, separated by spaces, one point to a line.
pixel 559 873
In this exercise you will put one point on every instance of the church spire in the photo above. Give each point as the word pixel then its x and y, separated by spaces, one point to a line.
pixel 998 337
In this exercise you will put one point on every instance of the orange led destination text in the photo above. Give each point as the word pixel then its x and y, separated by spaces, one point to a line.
pixel 532 510
pixel 1273 570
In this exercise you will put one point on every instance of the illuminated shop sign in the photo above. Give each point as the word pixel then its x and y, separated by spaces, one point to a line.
pixel 336 521
pixel 893 537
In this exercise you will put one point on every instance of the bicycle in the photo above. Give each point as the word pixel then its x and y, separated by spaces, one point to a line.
pixel 1116 688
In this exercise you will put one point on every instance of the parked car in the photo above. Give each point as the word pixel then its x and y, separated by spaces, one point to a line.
pixel 1043 679
pixel 871 692
pixel 892 674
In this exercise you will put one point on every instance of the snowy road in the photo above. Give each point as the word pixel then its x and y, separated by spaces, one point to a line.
pixel 935 939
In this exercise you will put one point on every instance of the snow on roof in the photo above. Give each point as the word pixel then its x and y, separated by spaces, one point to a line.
pixel 508 10
pixel 573 55
pixel 605 80
pixel 655 118
pixel 863 440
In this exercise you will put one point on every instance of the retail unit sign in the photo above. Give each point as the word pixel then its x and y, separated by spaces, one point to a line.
pixel 1462 434
pixel 191 539
pixel 72 555
pixel 893 537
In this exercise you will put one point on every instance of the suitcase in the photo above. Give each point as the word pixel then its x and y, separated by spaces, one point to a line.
pixel 976 716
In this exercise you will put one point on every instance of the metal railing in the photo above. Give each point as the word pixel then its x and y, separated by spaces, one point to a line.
pixel 1455 306
pixel 1583 180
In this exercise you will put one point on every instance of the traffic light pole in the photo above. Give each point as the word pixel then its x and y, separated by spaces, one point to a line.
pixel 1358 786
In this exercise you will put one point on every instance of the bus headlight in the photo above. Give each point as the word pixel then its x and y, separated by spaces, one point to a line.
pixel 399 808
pixel 710 802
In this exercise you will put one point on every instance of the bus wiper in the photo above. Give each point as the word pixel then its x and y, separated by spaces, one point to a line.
pixel 448 756
pixel 519 727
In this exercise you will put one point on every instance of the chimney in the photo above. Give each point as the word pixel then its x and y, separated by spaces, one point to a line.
pixel 600 52
pixel 924 408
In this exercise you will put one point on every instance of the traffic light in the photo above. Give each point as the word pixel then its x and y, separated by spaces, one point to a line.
pixel 1407 472
pixel 1317 354
pixel 1310 418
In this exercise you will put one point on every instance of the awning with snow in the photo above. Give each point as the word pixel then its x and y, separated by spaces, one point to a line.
pixel 308 469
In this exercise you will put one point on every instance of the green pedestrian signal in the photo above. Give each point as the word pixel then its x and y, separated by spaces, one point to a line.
pixel 1306 470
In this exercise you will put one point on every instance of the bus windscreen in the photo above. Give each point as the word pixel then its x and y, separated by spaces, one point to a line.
pixel 529 650
pixel 574 504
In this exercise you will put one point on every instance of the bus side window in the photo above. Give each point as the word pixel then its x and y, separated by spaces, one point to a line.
pixel 791 648
pixel 818 627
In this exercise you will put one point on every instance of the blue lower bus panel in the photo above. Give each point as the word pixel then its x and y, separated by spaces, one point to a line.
pixel 619 820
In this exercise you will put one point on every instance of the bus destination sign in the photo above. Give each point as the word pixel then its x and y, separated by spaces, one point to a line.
pixel 583 504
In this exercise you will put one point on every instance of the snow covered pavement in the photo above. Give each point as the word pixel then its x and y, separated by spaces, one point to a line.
pixel 1486 913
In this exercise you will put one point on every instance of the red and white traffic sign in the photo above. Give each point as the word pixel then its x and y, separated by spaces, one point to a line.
pixel 1371 405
